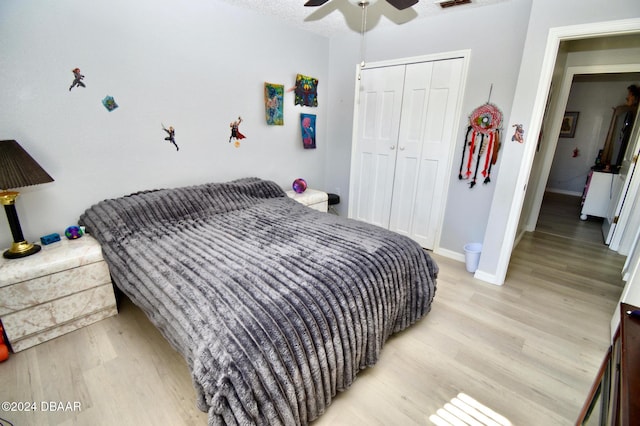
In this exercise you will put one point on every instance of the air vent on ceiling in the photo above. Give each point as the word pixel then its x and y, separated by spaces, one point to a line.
pixel 450 3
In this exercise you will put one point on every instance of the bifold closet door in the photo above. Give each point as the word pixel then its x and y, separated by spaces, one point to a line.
pixel 403 141
pixel 427 132
pixel 374 155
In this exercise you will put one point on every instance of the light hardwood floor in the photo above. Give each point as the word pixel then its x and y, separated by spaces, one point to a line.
pixel 559 216
pixel 528 350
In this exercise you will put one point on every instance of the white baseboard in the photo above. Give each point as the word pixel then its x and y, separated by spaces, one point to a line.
pixel 450 254
pixel 483 276
pixel 488 278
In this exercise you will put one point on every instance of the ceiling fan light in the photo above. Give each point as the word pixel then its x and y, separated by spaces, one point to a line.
pixel 362 3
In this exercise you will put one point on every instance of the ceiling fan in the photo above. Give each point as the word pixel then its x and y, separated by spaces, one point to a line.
pixel 364 4
pixel 398 4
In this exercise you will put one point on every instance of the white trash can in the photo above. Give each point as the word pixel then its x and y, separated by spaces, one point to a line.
pixel 472 255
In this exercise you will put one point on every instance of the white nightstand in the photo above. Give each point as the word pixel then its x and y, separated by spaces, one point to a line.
pixel 313 198
pixel 64 287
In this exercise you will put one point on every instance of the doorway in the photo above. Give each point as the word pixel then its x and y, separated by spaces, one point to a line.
pixel 591 100
pixel 579 62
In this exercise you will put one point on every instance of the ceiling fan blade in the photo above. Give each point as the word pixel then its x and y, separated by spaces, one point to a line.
pixel 313 3
pixel 402 4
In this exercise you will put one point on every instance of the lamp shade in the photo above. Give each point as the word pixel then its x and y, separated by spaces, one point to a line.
pixel 18 168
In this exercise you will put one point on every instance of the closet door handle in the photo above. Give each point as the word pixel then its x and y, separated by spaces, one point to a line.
pixel 392 147
pixel 402 148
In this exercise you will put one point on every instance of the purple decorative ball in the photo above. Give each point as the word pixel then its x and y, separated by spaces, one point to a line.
pixel 299 185
pixel 73 232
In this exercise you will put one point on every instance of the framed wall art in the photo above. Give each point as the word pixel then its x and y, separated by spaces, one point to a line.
pixel 569 123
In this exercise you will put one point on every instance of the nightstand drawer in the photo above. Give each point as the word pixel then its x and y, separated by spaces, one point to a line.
pixel 60 256
pixel 51 287
pixel 52 333
pixel 39 318
pixel 60 289
pixel 312 198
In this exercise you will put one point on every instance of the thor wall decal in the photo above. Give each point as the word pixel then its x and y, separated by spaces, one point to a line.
pixel 235 132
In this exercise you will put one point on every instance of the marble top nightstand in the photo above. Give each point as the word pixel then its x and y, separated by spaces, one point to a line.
pixel 63 287
pixel 317 200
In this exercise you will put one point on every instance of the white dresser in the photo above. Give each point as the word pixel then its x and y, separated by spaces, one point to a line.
pixel 313 198
pixel 63 287
pixel 598 193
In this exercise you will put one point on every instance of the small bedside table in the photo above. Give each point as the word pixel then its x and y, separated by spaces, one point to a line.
pixel 64 287
pixel 313 198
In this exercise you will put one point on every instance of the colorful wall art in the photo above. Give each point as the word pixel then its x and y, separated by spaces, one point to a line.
pixel 306 91
pixel 308 127
pixel 273 94
pixel 109 103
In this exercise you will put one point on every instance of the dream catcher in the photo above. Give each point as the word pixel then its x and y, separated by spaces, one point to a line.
pixel 481 143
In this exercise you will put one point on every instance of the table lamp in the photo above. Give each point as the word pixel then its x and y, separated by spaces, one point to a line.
pixel 17 169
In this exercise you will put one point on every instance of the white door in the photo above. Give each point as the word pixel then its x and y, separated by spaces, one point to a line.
pixel 615 218
pixel 426 135
pixel 617 191
pixel 403 140
pixel 373 164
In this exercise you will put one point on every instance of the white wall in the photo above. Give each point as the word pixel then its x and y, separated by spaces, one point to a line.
pixel 495 34
pixel 594 100
pixel 198 64
pixel 195 65
pixel 509 193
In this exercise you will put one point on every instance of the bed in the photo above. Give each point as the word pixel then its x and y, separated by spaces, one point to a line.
pixel 274 306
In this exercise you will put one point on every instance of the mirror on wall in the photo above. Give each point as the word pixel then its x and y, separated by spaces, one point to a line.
pixel 618 136
pixel 614 152
pixel 622 122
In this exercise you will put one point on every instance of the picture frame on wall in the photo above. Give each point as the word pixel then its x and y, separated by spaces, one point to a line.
pixel 569 124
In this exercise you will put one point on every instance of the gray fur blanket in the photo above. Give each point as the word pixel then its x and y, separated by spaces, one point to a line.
pixel 275 306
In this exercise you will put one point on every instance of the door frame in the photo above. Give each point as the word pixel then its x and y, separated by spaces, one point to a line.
pixel 465 55
pixel 629 192
pixel 555 36
pixel 554 128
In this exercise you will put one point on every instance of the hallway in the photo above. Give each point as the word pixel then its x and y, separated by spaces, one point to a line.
pixel 560 215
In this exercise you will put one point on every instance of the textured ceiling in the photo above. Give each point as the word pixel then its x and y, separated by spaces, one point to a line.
pixel 339 16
